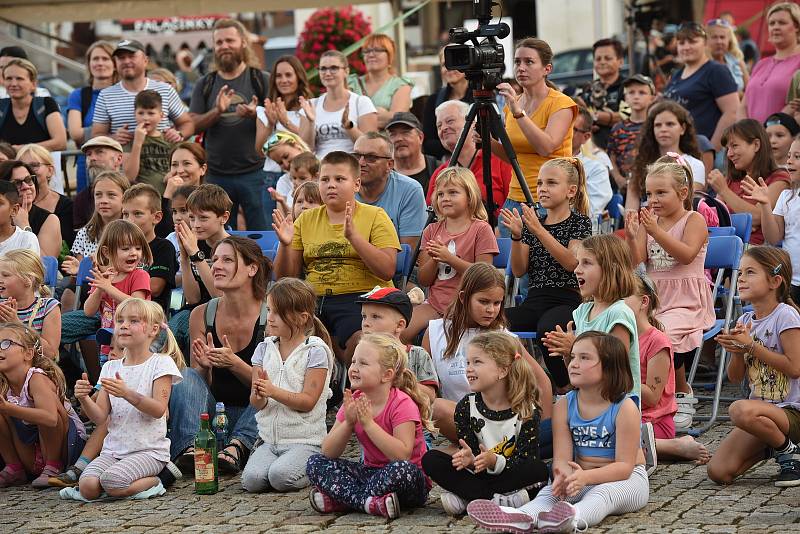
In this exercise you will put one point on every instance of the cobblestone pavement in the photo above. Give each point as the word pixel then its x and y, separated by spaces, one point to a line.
pixel 682 500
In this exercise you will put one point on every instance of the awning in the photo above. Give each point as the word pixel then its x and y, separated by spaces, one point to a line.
pixel 37 11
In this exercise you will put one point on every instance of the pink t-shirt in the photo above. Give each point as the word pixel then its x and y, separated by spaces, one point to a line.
pixel 137 280
pixel 768 86
pixel 651 343
pixel 399 409
pixel 477 239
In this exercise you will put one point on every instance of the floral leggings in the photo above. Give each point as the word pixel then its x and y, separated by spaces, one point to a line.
pixel 351 483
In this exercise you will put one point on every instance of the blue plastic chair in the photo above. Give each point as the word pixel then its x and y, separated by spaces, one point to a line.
pixel 50 265
pixel 743 222
pixel 616 209
pixel 81 278
pixel 266 239
pixel 503 259
pixel 718 231
pixel 724 252
pixel 404 266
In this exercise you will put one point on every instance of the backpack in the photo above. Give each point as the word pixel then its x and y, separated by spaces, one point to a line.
pixel 38 111
pixel 86 101
pixel 256 81
pixel 713 202
pixel 211 313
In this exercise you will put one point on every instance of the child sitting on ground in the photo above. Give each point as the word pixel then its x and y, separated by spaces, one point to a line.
pixel 39 429
pixel 387 411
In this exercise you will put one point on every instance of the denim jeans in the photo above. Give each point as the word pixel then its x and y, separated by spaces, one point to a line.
pixel 189 399
pixel 504 232
pixel 248 191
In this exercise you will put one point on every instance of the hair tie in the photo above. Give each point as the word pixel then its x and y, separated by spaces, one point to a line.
pixel 517 356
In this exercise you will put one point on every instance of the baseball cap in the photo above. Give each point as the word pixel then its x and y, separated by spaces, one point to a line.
pixel 785 120
pixel 101 140
pixel 642 79
pixel 129 45
pixel 388 296
pixel 404 117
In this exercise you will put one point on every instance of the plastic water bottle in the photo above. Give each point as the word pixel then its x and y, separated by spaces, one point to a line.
pixel 220 425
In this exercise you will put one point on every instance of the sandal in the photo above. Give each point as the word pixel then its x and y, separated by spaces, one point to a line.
pixel 228 463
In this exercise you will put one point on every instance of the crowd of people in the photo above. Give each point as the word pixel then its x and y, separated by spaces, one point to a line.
pixel 321 321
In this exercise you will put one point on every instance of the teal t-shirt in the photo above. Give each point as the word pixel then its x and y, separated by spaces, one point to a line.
pixel 617 313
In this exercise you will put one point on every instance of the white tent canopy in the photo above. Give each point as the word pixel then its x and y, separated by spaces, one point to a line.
pixel 37 11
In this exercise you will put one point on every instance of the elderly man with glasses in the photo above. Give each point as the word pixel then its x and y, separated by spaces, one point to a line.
pixel 400 196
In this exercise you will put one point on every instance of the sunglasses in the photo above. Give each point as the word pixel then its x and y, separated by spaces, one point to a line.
pixel 369 158
pixel 719 22
pixel 28 180
pixel 279 138
pixel 5 344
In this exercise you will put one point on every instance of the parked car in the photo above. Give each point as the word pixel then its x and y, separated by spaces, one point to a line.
pixel 575 68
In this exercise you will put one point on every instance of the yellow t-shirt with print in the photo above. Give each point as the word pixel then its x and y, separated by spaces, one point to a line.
pixel 529 160
pixel 331 263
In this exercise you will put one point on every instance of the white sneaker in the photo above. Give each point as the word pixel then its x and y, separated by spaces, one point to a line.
pixel 686 409
pixel 513 500
pixel 649 448
pixel 453 504
pixel 563 517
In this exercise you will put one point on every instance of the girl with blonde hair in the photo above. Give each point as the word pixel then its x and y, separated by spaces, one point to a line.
pixel 460 238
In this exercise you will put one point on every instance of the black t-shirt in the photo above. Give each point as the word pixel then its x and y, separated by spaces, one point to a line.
pixel 64 213
pixel 600 97
pixel 29 131
pixel 225 387
pixel 424 176
pixel 543 269
pixel 82 208
pixel 163 266
pixel 36 217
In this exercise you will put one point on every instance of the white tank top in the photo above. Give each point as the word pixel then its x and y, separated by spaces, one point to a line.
pixel 330 133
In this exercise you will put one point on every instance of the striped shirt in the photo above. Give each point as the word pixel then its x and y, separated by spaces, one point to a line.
pixel 33 316
pixel 115 106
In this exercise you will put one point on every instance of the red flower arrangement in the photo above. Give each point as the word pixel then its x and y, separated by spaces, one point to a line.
pixel 332 29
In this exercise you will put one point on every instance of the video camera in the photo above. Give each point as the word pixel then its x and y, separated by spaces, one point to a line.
pixel 484 61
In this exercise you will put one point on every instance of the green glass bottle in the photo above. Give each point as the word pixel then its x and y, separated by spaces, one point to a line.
pixel 206 481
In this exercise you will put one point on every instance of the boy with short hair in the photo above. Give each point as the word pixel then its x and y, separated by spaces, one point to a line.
pixel 141 205
pixel 303 168
pixel 387 310
pixel 11 236
pixel 639 94
pixel 148 159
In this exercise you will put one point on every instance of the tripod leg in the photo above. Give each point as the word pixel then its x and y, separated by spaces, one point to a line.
pixel 500 133
pixel 485 129
pixel 468 120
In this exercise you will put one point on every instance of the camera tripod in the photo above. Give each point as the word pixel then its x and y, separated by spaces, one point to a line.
pixel 484 110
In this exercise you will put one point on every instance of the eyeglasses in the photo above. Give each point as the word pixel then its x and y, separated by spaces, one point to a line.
pixel 581 130
pixel 369 158
pixel 5 344
pixel 332 69
pixel 35 165
pixel 367 51
pixel 28 180
pixel 693 27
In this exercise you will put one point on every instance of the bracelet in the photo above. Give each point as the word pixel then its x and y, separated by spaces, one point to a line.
pixel 516 238
pixel 518 115
pixel 751 348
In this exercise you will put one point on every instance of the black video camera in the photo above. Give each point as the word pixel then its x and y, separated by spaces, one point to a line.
pixel 482 62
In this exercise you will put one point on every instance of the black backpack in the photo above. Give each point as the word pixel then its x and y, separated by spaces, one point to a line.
pixel 712 202
pixel 38 111
pixel 86 101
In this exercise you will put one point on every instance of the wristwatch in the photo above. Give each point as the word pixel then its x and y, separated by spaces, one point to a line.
pixel 348 125
pixel 518 115
pixel 197 256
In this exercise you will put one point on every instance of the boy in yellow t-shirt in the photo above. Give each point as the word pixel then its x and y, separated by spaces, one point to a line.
pixel 345 247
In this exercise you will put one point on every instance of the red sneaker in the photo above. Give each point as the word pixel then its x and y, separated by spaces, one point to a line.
pixel 385 506
pixel 323 504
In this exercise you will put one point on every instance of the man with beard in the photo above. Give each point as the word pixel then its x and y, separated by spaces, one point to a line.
pixel 405 132
pixel 114 110
pixel 224 108
pixel 450 119
pixel 105 154
pixel 604 96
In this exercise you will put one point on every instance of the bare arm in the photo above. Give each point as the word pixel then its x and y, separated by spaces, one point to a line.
pixel 288 262
pixel 397 446
pixel 49 237
pixel 546 141
pixel 686 249
pixel 335 442
pixel 46 404
pixel 657 373
pixel 185 125
pixel 75 127
pixel 131 160
pixel 367 122
pixel 51 333
pixel 728 105
pixel 57 132
pixel 96 409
